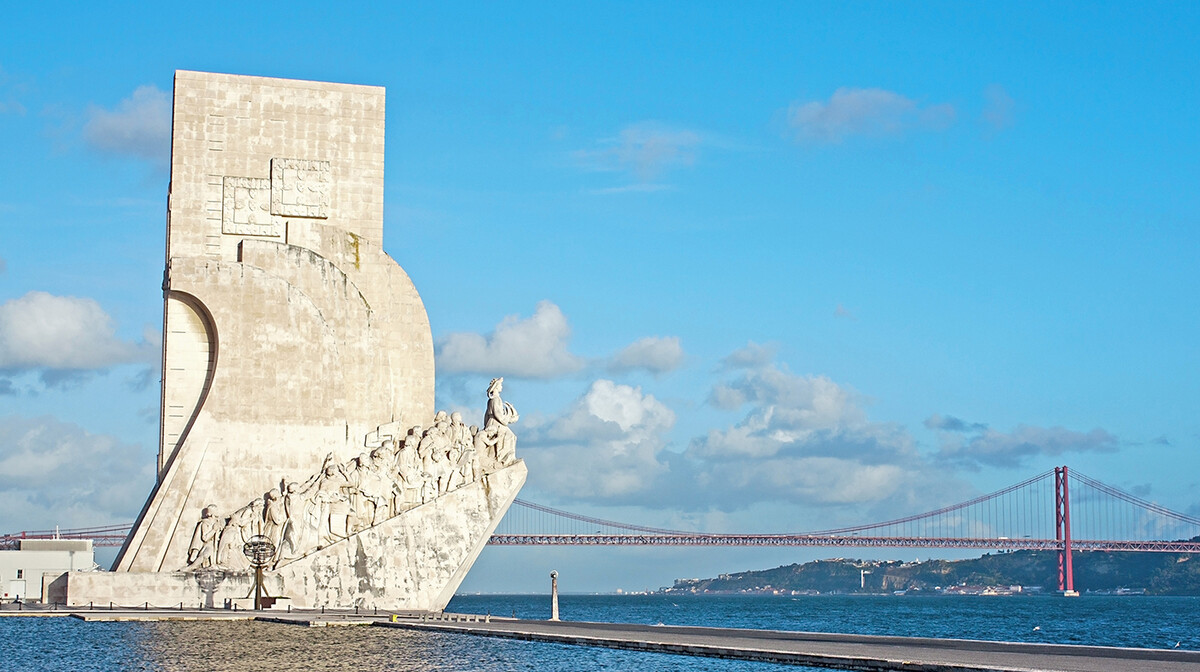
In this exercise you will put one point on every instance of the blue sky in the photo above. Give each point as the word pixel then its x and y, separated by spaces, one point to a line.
pixel 773 268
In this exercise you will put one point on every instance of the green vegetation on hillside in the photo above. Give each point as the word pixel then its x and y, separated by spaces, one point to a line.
pixel 1156 573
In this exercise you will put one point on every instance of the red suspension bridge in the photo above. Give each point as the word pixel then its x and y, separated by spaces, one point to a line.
pixel 1050 511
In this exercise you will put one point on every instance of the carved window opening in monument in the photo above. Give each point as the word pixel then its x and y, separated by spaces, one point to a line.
pixel 20 573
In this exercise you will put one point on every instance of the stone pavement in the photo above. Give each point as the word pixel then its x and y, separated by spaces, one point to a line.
pixel 838 651
pixel 829 650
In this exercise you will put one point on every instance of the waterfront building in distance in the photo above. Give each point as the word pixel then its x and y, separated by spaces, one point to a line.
pixel 298 431
pixel 37 568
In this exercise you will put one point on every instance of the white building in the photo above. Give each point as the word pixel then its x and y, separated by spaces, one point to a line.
pixel 29 573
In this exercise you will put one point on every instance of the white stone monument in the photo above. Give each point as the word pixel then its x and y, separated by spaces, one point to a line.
pixel 298 373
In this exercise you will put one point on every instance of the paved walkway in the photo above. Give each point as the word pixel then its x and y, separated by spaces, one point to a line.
pixel 837 651
pixel 845 652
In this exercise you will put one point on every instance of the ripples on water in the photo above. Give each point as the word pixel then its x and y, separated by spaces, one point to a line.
pixel 70 644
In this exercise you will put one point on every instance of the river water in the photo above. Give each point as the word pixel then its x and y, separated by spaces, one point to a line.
pixel 70 644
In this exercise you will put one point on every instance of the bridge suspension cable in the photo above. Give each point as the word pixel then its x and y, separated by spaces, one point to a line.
pixel 1021 516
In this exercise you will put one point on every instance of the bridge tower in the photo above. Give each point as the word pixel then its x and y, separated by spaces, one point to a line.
pixel 1062 532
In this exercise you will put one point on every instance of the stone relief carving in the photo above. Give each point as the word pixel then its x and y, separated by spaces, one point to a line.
pixel 256 206
pixel 202 551
pixel 246 207
pixel 403 470
pixel 300 188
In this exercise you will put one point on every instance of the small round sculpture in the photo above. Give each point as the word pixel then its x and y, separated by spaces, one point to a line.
pixel 259 550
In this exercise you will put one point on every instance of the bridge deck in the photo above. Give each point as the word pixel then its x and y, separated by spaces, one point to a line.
pixel 838 651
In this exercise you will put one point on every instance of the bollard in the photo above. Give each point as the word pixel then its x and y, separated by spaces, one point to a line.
pixel 181 606
pixel 289 608
pixel 110 606
pixel 376 611
pixel 488 618
pixel 554 594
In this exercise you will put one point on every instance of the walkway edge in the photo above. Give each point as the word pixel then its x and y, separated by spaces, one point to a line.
pixel 710 651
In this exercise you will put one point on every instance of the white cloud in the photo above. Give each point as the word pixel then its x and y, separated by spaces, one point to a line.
pixel 535 347
pixel 605 445
pixel 803 440
pixel 998 107
pixel 808 440
pixel 654 354
pixel 949 423
pixel 52 472
pixel 140 126
pixel 751 356
pixel 1015 449
pixel 61 333
pixel 870 112
pixel 645 149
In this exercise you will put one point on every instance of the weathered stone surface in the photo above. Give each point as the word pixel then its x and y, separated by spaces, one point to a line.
pixel 290 339
pixel 415 560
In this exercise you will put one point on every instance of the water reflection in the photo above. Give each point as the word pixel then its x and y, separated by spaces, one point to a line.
pixel 215 646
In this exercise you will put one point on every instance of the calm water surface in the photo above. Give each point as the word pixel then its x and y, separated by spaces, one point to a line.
pixel 69 644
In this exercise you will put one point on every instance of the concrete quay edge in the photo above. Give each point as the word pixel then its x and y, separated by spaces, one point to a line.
pixel 867 652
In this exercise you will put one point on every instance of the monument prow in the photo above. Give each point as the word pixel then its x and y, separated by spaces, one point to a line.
pixel 298 372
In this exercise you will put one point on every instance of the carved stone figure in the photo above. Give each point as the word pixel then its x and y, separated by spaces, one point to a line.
pixel 342 499
pixel 274 516
pixel 496 440
pixel 333 498
pixel 202 552
pixel 236 533
pixel 302 518
pixel 372 494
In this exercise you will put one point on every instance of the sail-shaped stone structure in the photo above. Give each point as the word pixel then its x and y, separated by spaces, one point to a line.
pixel 297 360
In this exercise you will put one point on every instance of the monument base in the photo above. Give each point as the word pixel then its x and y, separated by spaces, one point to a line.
pixel 415 560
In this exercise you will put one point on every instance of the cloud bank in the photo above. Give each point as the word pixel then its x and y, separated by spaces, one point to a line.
pixel 655 354
pixel 140 126
pixel 864 112
pixel 645 151
pixel 533 347
pixel 538 347
pixel 802 440
pixel 971 445
pixel 57 335
pixel 57 473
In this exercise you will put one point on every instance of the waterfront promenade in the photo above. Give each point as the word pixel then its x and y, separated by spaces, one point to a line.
pixel 828 650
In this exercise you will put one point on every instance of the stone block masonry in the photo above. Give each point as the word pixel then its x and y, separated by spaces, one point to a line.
pixel 290 339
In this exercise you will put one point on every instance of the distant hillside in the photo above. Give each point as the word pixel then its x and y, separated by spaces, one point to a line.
pixel 1156 573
